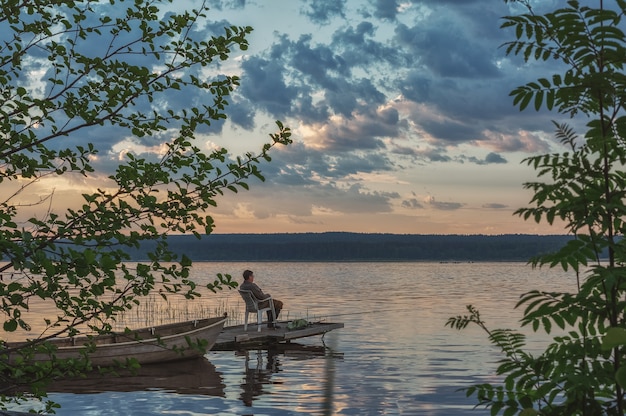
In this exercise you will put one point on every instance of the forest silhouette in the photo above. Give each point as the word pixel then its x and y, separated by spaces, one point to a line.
pixel 343 246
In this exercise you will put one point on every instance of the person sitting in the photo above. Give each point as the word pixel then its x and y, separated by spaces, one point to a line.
pixel 248 284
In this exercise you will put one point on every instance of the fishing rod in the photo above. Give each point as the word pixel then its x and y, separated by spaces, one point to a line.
pixel 373 311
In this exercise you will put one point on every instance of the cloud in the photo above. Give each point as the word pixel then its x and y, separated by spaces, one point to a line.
pixel 385 9
pixel 451 131
pixel 494 205
pixel 363 131
pixel 302 165
pixel 317 62
pixel 226 4
pixel 359 47
pixel 516 141
pixel 495 158
pixel 354 199
pixel 314 82
pixel 241 113
pixel 322 11
pixel 491 158
pixel 433 155
pixel 266 87
pixel 446 53
pixel 412 203
pixel 272 200
pixel 443 206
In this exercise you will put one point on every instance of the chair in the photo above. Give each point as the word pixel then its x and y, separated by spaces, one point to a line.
pixel 252 306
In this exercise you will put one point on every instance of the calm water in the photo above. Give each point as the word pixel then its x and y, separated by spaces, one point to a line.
pixel 394 356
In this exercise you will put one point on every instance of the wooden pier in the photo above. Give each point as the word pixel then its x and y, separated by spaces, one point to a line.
pixel 234 337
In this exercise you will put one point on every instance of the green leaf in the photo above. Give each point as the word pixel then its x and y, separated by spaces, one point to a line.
pixel 614 337
pixel 538 100
pixel 620 376
pixel 10 325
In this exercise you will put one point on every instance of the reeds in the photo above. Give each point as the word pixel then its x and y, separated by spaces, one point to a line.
pixel 155 310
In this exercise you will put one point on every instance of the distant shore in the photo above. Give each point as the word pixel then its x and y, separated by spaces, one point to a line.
pixel 356 247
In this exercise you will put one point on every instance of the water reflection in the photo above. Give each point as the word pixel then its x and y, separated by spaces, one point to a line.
pixel 196 376
pixel 258 372
pixel 263 376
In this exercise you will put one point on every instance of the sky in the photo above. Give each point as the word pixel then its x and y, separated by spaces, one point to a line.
pixel 400 111
pixel 401 117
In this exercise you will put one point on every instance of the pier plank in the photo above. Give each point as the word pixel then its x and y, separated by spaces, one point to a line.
pixel 234 337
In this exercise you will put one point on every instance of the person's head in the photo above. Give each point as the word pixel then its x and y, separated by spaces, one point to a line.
pixel 248 275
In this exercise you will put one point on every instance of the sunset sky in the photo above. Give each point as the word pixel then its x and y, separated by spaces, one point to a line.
pixel 400 111
pixel 401 117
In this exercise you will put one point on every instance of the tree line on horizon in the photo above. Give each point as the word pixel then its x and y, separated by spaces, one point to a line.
pixel 360 247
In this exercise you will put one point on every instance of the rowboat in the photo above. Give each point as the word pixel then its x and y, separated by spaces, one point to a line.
pixel 162 343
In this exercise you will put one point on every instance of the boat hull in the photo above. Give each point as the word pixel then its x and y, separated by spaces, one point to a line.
pixel 163 343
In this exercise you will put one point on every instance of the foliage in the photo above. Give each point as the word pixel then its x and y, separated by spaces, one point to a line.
pixel 582 371
pixel 75 75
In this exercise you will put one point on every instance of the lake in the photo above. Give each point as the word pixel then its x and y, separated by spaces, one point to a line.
pixel 393 357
